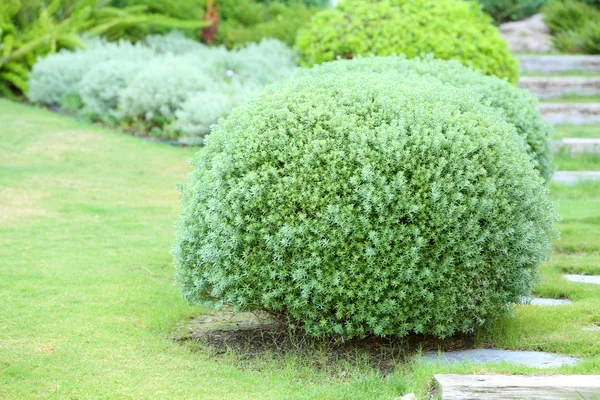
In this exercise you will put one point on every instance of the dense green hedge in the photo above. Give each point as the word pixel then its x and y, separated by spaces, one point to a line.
pixel 511 10
pixel 355 203
pixel 518 106
pixel 448 29
pixel 575 26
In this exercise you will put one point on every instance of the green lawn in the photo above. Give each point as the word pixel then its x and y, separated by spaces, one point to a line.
pixel 572 98
pixel 562 131
pixel 578 162
pixel 89 303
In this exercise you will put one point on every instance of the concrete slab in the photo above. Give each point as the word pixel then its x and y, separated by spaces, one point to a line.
pixel 595 280
pixel 553 64
pixel 481 387
pixel 570 113
pixel 545 87
pixel 486 356
pixel 576 145
pixel 538 301
pixel 572 177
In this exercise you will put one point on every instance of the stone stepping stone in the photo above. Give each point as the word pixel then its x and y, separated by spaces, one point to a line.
pixel 572 177
pixel 539 301
pixel 476 387
pixel 570 113
pixel 553 64
pixel 576 145
pixel 592 329
pixel 485 356
pixel 545 87
pixel 584 279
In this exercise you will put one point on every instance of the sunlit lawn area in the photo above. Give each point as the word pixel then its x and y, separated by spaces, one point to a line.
pixel 590 131
pixel 89 302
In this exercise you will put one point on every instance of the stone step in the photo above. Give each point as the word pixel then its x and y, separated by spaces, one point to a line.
pixel 576 145
pixel 554 64
pixel 572 177
pixel 545 87
pixel 474 387
pixel 571 113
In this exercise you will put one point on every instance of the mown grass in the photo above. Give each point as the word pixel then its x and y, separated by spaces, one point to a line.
pixel 590 131
pixel 562 73
pixel 577 162
pixel 89 304
pixel 572 98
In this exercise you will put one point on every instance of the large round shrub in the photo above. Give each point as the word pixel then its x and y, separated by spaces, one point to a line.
pixel 518 106
pixel 448 29
pixel 353 203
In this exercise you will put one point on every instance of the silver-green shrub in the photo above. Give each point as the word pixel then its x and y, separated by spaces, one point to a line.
pixel 356 203
pixel 199 113
pixel 101 86
pixel 58 75
pixel 174 43
pixel 518 106
pixel 161 87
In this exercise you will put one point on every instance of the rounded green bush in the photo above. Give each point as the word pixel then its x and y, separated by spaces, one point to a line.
pixel 448 29
pixel 518 106
pixel 355 204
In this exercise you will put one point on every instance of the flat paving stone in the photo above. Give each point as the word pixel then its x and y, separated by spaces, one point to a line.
pixel 485 356
pixel 553 63
pixel 593 279
pixel 539 301
pixel 481 387
pixel 570 113
pixel 545 87
pixel 592 329
pixel 576 145
pixel 572 177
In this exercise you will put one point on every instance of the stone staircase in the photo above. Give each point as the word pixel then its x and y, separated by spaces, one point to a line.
pixel 557 78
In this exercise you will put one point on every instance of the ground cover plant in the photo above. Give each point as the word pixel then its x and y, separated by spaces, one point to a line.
pixel 95 261
pixel 518 106
pixel 332 201
pixel 448 29
pixel 577 162
pixel 167 86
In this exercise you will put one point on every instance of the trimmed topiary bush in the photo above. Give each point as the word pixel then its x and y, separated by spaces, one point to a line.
pixel 518 106
pixel 448 29
pixel 356 203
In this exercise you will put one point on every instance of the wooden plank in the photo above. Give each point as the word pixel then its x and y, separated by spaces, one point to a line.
pixel 547 387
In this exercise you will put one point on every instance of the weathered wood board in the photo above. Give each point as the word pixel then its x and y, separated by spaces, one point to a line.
pixel 548 387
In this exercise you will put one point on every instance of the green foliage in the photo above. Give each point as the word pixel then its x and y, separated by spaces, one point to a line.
pixel 243 21
pixel 575 26
pixel 353 203
pixel 448 29
pixel 511 10
pixel 32 29
pixel 162 86
pixel 518 107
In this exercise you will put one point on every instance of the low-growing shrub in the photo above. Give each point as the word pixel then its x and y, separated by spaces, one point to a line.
pixel 58 75
pixel 354 203
pixel 161 87
pixel 518 106
pixel 146 86
pixel 511 10
pixel 575 26
pixel 448 29
pixel 101 87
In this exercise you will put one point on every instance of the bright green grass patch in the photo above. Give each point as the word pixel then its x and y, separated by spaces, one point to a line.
pixel 89 303
pixel 571 98
pixel 576 131
pixel 577 162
